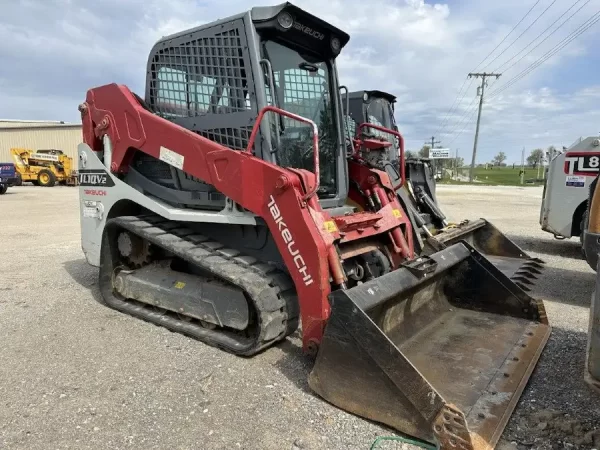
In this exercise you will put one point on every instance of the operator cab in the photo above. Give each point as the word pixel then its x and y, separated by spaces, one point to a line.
pixel 214 80
pixel 377 108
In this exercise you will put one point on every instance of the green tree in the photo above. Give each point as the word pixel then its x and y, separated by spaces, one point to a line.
pixel 499 159
pixel 535 157
pixel 424 152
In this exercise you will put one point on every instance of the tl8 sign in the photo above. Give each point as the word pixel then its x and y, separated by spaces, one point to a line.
pixel 582 163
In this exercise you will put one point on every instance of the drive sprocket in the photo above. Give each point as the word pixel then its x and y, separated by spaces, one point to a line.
pixel 136 250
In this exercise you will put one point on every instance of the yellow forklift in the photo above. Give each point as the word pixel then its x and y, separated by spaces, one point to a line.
pixel 44 167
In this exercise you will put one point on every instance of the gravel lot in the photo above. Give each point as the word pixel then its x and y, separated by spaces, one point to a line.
pixel 75 374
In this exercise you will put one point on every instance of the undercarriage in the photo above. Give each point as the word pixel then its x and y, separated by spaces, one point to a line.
pixel 213 293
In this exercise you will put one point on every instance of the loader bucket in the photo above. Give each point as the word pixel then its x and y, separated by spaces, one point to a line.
pixel 440 349
pixel 498 249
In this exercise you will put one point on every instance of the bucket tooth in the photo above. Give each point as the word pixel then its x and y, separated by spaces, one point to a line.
pixel 441 354
pixel 531 268
pixel 523 287
pixel 522 280
pixel 534 272
pixel 525 273
pixel 493 245
pixel 534 265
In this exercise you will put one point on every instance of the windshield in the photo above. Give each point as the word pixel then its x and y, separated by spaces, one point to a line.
pixel 380 112
pixel 302 86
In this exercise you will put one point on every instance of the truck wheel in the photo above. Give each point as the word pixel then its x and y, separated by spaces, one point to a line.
pixel 19 180
pixel 3 189
pixel 46 178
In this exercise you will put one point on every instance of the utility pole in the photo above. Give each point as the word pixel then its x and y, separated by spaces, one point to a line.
pixel 456 164
pixel 483 76
pixel 433 142
pixel 544 168
pixel 522 164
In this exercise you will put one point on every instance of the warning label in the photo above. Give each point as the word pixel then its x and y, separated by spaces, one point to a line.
pixel 90 208
pixel 575 181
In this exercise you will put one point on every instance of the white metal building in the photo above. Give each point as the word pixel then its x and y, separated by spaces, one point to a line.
pixel 36 135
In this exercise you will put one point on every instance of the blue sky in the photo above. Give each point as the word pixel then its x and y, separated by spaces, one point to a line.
pixel 52 51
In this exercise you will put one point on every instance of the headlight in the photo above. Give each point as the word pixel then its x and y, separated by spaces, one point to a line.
pixel 285 20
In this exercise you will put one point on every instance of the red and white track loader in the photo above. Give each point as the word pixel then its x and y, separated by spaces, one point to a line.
pixel 218 206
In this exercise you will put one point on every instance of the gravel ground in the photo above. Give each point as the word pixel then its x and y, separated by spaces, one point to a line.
pixel 75 374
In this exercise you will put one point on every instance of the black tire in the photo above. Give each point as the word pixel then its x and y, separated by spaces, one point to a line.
pixel 19 180
pixel 3 189
pixel 46 178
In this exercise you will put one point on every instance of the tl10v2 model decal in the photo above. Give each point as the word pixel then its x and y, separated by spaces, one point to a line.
pixel 95 177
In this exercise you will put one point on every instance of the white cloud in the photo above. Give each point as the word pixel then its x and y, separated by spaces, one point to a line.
pixel 54 50
pixel 543 99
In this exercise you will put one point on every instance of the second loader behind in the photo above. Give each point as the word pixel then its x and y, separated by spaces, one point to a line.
pixel 218 206
pixel 368 111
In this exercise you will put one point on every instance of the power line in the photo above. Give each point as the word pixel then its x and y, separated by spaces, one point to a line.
pixel 562 44
pixel 509 33
pixel 555 30
pixel 483 76
pixel 458 98
pixel 523 32
pixel 467 123
pixel 552 33
pixel 467 116
pixel 467 112
pixel 433 142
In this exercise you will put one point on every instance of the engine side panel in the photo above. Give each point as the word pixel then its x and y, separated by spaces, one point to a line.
pixel 100 191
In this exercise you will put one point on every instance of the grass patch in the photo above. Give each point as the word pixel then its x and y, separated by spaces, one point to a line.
pixel 498 176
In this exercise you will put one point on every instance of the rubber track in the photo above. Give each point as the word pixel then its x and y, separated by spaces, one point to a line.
pixel 271 291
